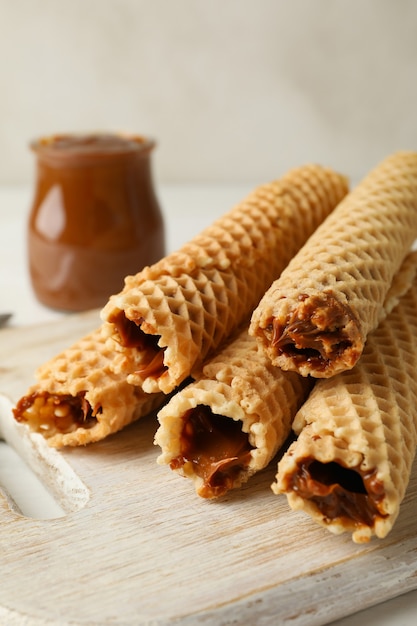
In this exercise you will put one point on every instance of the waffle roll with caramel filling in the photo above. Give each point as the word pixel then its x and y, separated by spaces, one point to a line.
pixel 79 399
pixel 178 312
pixel 317 314
pixel 230 422
pixel 357 434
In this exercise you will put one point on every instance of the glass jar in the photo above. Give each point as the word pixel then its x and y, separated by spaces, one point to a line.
pixel 95 217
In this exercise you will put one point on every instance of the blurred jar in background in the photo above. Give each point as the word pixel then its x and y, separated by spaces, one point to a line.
pixel 95 217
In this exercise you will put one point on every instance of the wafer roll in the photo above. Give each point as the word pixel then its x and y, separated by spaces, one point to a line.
pixel 231 421
pixel 316 316
pixel 178 311
pixel 78 398
pixel 357 433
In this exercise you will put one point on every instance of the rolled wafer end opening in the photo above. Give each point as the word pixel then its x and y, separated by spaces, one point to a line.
pixel 320 337
pixel 213 449
pixel 149 370
pixel 54 414
pixel 345 498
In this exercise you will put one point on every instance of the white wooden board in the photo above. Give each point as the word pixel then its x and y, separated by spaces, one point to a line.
pixel 137 546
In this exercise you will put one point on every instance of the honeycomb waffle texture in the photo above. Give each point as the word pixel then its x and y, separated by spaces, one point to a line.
pixel 241 384
pixel 347 264
pixel 85 369
pixel 364 419
pixel 194 298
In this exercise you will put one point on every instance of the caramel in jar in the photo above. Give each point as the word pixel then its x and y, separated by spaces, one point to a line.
pixel 95 217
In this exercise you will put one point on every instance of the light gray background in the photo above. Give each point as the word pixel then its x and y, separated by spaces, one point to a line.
pixel 233 90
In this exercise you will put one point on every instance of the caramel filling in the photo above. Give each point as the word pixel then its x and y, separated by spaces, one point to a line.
pixel 318 331
pixel 339 492
pixel 132 335
pixel 51 414
pixel 217 449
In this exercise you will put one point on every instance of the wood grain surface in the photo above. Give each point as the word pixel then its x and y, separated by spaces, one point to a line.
pixel 137 546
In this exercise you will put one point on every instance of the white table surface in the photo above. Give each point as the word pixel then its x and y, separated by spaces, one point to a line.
pixel 187 209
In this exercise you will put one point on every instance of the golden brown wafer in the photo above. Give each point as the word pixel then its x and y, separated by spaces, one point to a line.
pixel 229 423
pixel 316 316
pixel 79 399
pixel 357 434
pixel 178 311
